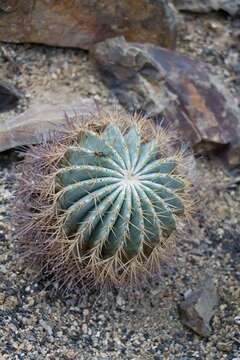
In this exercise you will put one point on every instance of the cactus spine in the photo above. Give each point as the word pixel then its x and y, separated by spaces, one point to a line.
pixel 107 202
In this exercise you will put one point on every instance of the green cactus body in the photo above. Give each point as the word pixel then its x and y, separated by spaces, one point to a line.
pixel 101 203
pixel 117 194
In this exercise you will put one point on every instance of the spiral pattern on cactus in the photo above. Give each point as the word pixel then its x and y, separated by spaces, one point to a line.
pixel 101 204
pixel 117 194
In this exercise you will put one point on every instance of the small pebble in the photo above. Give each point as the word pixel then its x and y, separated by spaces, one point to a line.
pixel 84 328
pixel 2 298
pixel 85 312
pixel 237 320
pixel 120 301
pixel 46 327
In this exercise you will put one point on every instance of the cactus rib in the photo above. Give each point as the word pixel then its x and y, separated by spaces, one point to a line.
pixel 150 182
pixel 108 206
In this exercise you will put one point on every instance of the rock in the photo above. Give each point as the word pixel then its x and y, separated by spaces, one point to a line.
pixel 120 301
pixel 46 327
pixel 225 347
pixel 198 307
pixel 86 312
pixel 36 124
pixel 237 320
pixel 10 303
pixel 3 270
pixel 84 328
pixel 163 83
pixel 2 298
pixel 9 96
pixel 232 156
pixel 232 7
pixel 81 23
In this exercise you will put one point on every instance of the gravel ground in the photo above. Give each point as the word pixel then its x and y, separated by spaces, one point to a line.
pixel 36 323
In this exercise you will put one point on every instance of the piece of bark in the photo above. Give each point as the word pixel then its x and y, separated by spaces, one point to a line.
pixel 163 83
pixel 39 122
pixel 82 23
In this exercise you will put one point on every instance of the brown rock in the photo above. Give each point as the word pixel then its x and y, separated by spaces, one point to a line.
pixel 38 122
pixel 81 23
pixel 161 82
pixel 198 307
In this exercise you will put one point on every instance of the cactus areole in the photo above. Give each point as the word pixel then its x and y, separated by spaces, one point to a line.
pixel 104 202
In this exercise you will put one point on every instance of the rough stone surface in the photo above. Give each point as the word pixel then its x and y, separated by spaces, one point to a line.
pixel 37 123
pixel 232 7
pixel 198 307
pixel 9 96
pixel 81 23
pixel 160 82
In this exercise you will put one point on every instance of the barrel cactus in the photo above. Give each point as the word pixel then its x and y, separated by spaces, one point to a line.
pixel 101 203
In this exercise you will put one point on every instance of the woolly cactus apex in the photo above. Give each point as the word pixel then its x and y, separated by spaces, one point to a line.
pixel 102 203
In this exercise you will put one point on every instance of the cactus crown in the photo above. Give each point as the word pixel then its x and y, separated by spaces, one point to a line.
pixel 107 203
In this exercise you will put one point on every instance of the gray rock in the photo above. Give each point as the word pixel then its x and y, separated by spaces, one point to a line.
pixel 163 83
pixel 46 327
pixel 37 123
pixel 198 307
pixel 232 7
pixel 237 320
